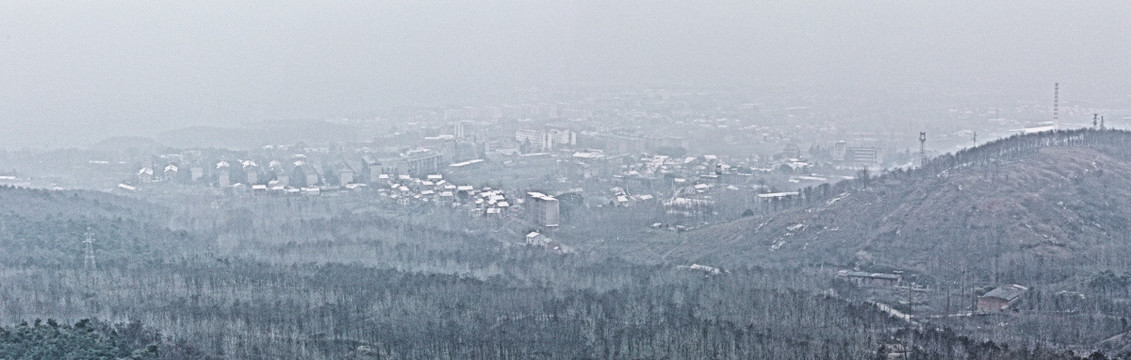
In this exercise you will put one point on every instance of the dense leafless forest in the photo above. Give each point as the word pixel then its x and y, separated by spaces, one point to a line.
pixel 307 277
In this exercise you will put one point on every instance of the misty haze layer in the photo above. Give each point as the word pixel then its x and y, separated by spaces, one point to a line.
pixel 74 73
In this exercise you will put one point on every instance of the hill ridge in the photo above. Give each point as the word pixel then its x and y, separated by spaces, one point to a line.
pixel 1020 208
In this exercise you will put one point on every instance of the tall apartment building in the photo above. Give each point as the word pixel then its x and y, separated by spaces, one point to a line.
pixel 419 163
pixel 546 140
pixel 544 209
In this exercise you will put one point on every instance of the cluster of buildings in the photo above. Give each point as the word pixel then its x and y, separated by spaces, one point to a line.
pixel 774 129
pixel 274 169
pixel 411 178
pixel 686 187
pixel 432 190
pixel 625 150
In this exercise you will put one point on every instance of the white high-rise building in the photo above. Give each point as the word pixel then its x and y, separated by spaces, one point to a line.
pixel 544 209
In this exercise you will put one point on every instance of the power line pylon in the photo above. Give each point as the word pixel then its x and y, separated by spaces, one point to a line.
pixel 1056 106
pixel 89 261
pixel 922 148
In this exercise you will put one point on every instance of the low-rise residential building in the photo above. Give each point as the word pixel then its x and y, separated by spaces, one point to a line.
pixel 1001 298
pixel 170 172
pixel 866 278
pixel 145 174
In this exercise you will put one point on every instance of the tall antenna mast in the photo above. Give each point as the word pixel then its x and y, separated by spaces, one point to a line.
pixel 1056 106
pixel 922 148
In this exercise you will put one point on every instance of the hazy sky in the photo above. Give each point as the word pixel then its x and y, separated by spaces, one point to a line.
pixel 90 69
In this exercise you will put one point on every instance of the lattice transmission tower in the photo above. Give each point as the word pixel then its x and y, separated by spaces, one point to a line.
pixel 922 148
pixel 1056 106
pixel 88 261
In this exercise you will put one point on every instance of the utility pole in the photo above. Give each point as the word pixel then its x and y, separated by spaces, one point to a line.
pixel 948 286
pixel 910 299
pixel 909 344
pixel 962 292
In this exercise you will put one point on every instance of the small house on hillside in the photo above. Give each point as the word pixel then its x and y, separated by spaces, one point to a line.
pixel 145 175
pixel 170 172
pixel 1001 298
pixel 537 239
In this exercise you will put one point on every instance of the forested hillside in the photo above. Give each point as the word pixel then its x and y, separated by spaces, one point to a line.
pixel 46 229
pixel 298 278
pixel 1046 210
pixel 77 204
pixel 470 300
pixel 1032 208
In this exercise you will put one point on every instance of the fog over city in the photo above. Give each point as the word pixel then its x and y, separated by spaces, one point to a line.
pixel 364 180
pixel 72 72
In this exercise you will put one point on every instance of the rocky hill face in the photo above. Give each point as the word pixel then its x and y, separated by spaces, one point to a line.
pixel 1038 207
